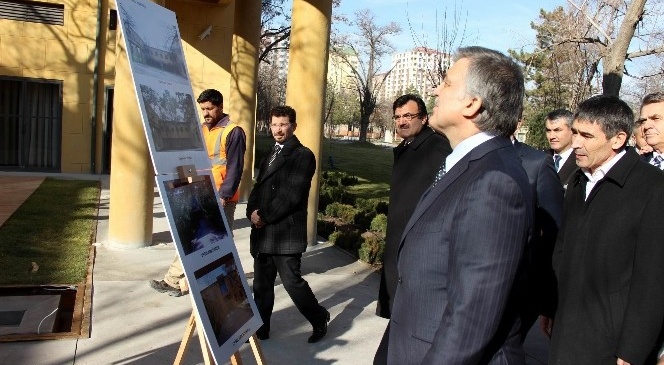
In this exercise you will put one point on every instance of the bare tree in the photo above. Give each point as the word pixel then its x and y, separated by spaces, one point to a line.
pixel 369 44
pixel 446 39
pixel 606 29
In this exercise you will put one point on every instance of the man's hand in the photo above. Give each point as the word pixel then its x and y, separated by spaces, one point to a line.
pixel 622 362
pixel 256 219
pixel 546 325
pixel 223 202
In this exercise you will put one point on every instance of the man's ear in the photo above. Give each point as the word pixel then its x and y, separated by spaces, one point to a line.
pixel 472 107
pixel 618 141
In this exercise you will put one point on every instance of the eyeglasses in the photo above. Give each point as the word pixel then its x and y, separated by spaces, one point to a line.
pixel 407 117
pixel 279 126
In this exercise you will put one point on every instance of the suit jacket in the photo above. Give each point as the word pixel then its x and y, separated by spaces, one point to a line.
pixel 281 196
pixel 459 262
pixel 415 166
pixel 548 192
pixel 568 169
pixel 608 261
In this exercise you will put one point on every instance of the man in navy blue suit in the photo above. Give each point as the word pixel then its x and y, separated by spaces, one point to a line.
pixel 461 257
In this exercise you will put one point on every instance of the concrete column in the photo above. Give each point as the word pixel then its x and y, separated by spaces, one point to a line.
pixel 307 78
pixel 132 174
pixel 244 68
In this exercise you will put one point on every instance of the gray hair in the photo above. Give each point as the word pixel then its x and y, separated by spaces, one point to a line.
pixel 563 114
pixel 498 81
pixel 653 98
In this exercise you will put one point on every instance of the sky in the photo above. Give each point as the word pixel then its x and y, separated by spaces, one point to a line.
pixel 499 25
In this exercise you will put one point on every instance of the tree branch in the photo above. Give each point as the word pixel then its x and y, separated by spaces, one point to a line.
pixel 609 40
pixel 647 52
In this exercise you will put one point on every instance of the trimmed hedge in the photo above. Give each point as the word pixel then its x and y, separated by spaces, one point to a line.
pixel 367 215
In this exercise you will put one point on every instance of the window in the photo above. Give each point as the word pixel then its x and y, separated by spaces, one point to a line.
pixel 33 11
pixel 30 124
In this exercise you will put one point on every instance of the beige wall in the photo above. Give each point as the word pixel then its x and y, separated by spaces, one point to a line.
pixel 67 53
pixel 209 59
pixel 63 53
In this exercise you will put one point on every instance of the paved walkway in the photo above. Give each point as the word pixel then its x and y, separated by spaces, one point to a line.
pixel 133 324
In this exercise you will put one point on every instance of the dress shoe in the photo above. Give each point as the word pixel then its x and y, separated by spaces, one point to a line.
pixel 320 331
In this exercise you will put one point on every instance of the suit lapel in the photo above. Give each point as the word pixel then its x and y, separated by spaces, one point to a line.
pixel 430 195
pixel 268 170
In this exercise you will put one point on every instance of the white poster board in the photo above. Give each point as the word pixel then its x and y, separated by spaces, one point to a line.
pixel 220 294
pixel 165 97
pixel 217 283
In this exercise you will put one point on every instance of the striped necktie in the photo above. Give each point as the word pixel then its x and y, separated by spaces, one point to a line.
pixel 439 174
pixel 275 152
pixel 556 161
pixel 657 161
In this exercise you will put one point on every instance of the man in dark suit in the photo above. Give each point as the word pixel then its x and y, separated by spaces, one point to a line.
pixel 416 160
pixel 559 134
pixel 540 294
pixel 462 251
pixel 609 253
pixel 277 208
pixel 652 127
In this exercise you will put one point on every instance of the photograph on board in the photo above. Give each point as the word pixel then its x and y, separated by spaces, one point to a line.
pixel 224 297
pixel 199 223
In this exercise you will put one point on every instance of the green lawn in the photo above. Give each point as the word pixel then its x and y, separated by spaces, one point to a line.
pixel 53 228
pixel 369 162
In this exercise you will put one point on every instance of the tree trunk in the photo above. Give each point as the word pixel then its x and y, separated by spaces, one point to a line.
pixel 614 62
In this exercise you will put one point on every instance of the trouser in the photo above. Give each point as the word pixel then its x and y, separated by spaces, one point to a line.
pixel 266 268
pixel 175 274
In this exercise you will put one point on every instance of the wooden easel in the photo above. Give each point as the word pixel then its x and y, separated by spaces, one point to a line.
pixel 207 355
pixel 188 173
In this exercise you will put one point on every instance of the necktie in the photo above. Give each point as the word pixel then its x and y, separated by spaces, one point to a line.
pixel 657 161
pixel 439 174
pixel 556 161
pixel 275 152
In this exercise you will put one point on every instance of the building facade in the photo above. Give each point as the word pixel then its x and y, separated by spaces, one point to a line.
pixel 412 70
pixel 57 76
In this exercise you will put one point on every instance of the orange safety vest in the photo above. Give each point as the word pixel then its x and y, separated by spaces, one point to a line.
pixel 217 155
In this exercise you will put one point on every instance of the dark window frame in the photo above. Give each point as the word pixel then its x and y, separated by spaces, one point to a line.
pixel 32 11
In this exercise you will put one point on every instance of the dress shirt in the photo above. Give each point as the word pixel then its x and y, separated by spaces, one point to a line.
pixel 464 147
pixel 600 172
pixel 654 155
pixel 563 157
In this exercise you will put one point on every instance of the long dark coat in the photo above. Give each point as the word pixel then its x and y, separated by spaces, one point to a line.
pixel 609 262
pixel 415 166
pixel 280 194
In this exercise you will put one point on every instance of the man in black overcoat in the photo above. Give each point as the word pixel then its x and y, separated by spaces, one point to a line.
pixel 609 253
pixel 416 160
pixel 277 208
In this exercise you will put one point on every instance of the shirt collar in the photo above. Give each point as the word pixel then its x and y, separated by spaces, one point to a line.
pixel 565 155
pixel 601 171
pixel 465 147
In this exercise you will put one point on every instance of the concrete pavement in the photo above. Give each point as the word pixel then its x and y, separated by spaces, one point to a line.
pixel 133 324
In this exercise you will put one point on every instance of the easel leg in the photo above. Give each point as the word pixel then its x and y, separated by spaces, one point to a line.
pixel 188 332
pixel 207 354
pixel 208 359
pixel 258 352
pixel 236 359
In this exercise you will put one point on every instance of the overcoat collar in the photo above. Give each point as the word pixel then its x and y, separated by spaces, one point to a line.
pixel 618 174
pixel 288 147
